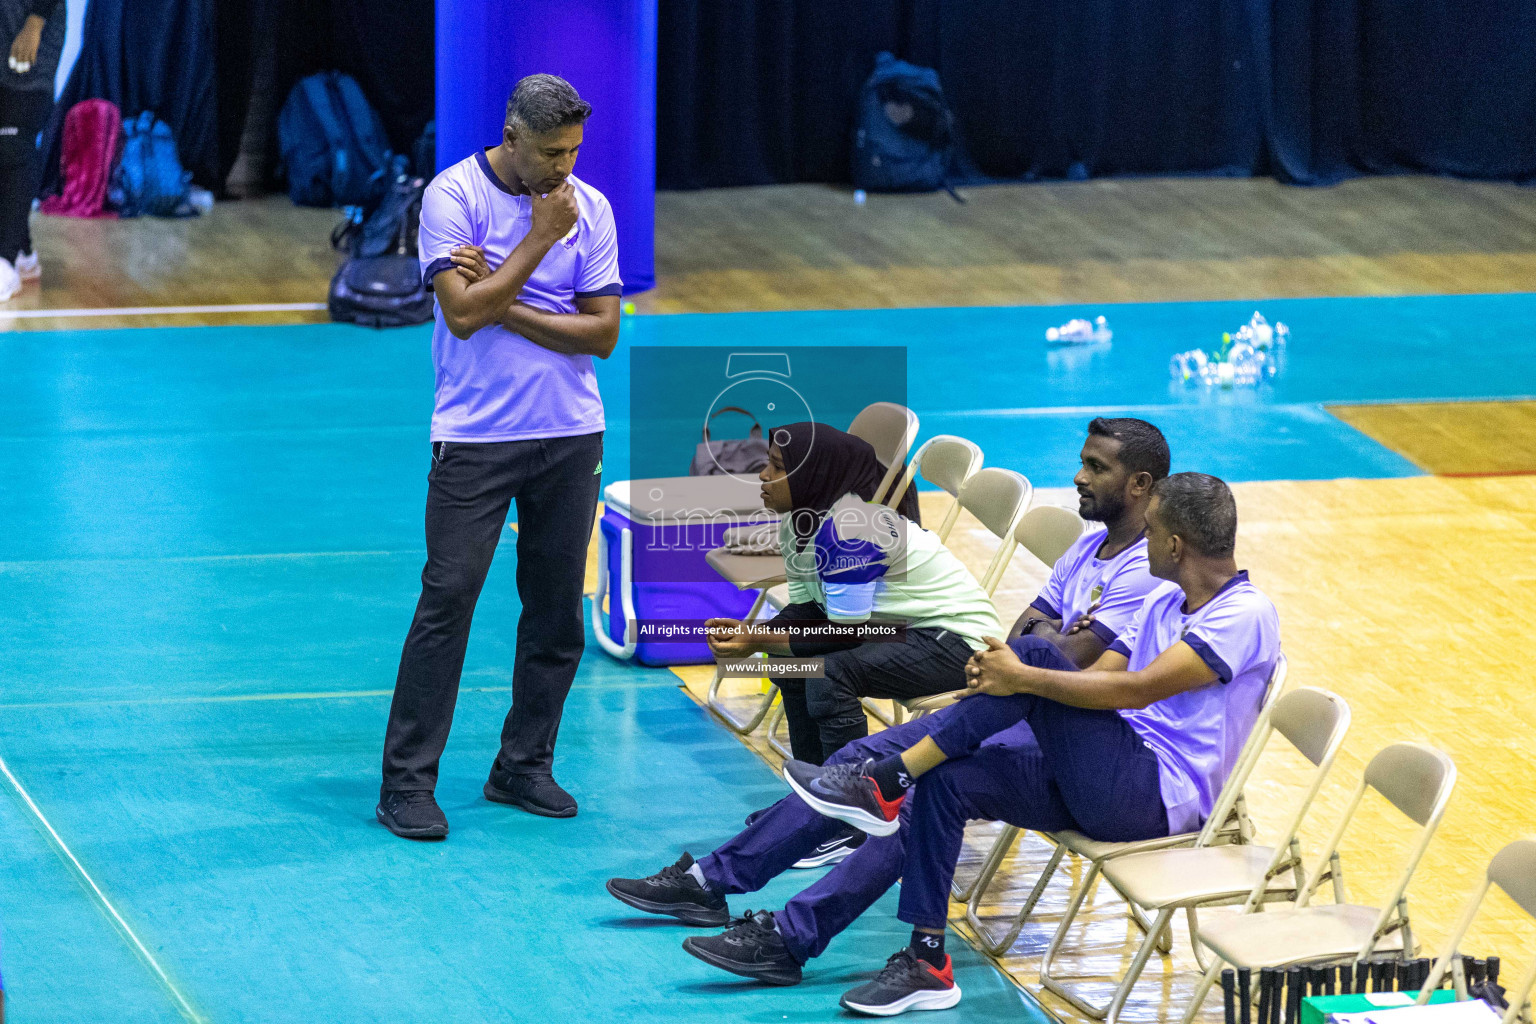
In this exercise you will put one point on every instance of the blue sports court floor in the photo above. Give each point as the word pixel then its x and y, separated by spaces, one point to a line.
pixel 209 545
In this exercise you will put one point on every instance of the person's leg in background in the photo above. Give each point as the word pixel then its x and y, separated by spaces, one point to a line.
pixel 556 506
pixel 804 734
pixel 23 113
pixel 469 489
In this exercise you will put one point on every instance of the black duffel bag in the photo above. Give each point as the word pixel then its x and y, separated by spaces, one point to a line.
pixel 380 291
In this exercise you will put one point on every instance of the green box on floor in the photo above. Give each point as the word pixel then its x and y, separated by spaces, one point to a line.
pixel 1315 1009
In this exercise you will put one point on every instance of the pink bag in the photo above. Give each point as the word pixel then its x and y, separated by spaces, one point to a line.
pixel 92 134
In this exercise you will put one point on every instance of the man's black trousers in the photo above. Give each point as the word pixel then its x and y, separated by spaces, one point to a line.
pixel 555 482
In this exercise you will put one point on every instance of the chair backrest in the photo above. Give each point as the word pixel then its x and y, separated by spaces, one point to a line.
pixel 1411 776
pixel 946 461
pixel 1394 772
pixel 1047 531
pixel 1512 869
pixel 890 429
pixel 1313 721
pixel 997 498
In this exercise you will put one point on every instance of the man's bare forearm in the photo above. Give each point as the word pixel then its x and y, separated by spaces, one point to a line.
pixel 574 334
pixel 485 302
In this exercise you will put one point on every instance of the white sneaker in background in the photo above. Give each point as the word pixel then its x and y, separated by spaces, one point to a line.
pixel 27 266
pixel 10 284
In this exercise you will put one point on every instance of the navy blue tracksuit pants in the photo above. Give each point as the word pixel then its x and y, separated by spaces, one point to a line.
pixel 1024 760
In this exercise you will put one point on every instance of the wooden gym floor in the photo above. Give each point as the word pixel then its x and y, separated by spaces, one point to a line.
pixel 1409 597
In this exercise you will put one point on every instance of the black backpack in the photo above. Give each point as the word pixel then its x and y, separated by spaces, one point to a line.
pixel 904 140
pixel 381 285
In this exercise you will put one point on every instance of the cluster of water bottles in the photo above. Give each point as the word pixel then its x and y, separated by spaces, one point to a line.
pixel 1080 332
pixel 1245 358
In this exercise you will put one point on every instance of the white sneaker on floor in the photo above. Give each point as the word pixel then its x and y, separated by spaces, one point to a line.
pixel 10 284
pixel 27 266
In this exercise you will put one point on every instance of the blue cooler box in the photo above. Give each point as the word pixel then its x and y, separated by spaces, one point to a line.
pixel 652 540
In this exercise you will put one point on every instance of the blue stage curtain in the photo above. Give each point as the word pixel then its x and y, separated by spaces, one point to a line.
pixel 148 55
pixel 1311 91
pixel 607 50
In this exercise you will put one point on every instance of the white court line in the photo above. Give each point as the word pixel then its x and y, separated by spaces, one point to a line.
pixel 256 307
pixel 181 1001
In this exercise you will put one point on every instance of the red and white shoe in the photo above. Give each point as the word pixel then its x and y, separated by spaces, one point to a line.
pixel 908 982
pixel 845 792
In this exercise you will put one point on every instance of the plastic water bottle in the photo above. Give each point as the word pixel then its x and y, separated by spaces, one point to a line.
pixel 1080 332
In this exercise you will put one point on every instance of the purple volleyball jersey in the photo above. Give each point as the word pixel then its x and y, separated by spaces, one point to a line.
pixel 1198 734
pixel 1112 590
pixel 497 385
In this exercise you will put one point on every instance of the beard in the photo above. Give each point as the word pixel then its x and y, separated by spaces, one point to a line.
pixel 1100 510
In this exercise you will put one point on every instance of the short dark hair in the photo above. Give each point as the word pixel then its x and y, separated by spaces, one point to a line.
pixel 542 103
pixel 1143 448
pixel 1200 509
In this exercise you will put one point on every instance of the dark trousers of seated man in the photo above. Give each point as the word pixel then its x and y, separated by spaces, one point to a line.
pixel 1025 760
pixel 825 715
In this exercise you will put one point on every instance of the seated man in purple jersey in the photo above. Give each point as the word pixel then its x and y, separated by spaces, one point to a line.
pixel 1134 747
pixel 1121 461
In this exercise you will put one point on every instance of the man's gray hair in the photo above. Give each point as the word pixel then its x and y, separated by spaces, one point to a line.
pixel 539 104
pixel 1200 509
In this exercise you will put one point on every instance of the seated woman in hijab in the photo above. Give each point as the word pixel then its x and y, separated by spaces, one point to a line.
pixel 850 561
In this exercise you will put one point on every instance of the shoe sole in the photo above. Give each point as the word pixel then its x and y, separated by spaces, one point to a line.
pixel 822 860
pixel 429 832
pixel 501 796
pixel 766 976
pixel 927 999
pixel 855 816
pixel 699 917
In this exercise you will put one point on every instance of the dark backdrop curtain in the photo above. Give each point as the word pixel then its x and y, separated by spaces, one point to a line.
pixel 148 55
pixel 195 64
pixel 1311 91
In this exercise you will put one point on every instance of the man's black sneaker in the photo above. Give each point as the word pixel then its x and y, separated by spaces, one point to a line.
pixel 908 982
pixel 833 850
pixel 675 892
pixel 845 792
pixel 750 947
pixel 412 814
pixel 539 794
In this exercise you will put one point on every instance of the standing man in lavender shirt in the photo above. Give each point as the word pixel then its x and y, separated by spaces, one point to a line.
pixel 524 260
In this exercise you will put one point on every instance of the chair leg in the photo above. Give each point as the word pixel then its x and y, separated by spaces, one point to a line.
pixel 996 944
pixel 1206 981
pixel 738 725
pixel 1088 884
pixel 773 733
pixel 889 719
pixel 712 698
pixel 1132 975
pixel 963 892
pixel 1194 937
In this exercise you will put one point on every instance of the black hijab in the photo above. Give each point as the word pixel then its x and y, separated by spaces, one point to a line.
pixel 824 464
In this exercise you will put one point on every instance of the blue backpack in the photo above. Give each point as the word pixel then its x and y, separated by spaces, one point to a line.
pixel 149 178
pixel 332 144
pixel 904 139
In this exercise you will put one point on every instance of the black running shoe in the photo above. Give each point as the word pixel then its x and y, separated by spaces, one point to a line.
pixel 537 794
pixel 833 850
pixel 674 892
pixel 845 792
pixel 412 814
pixel 908 982
pixel 750 947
